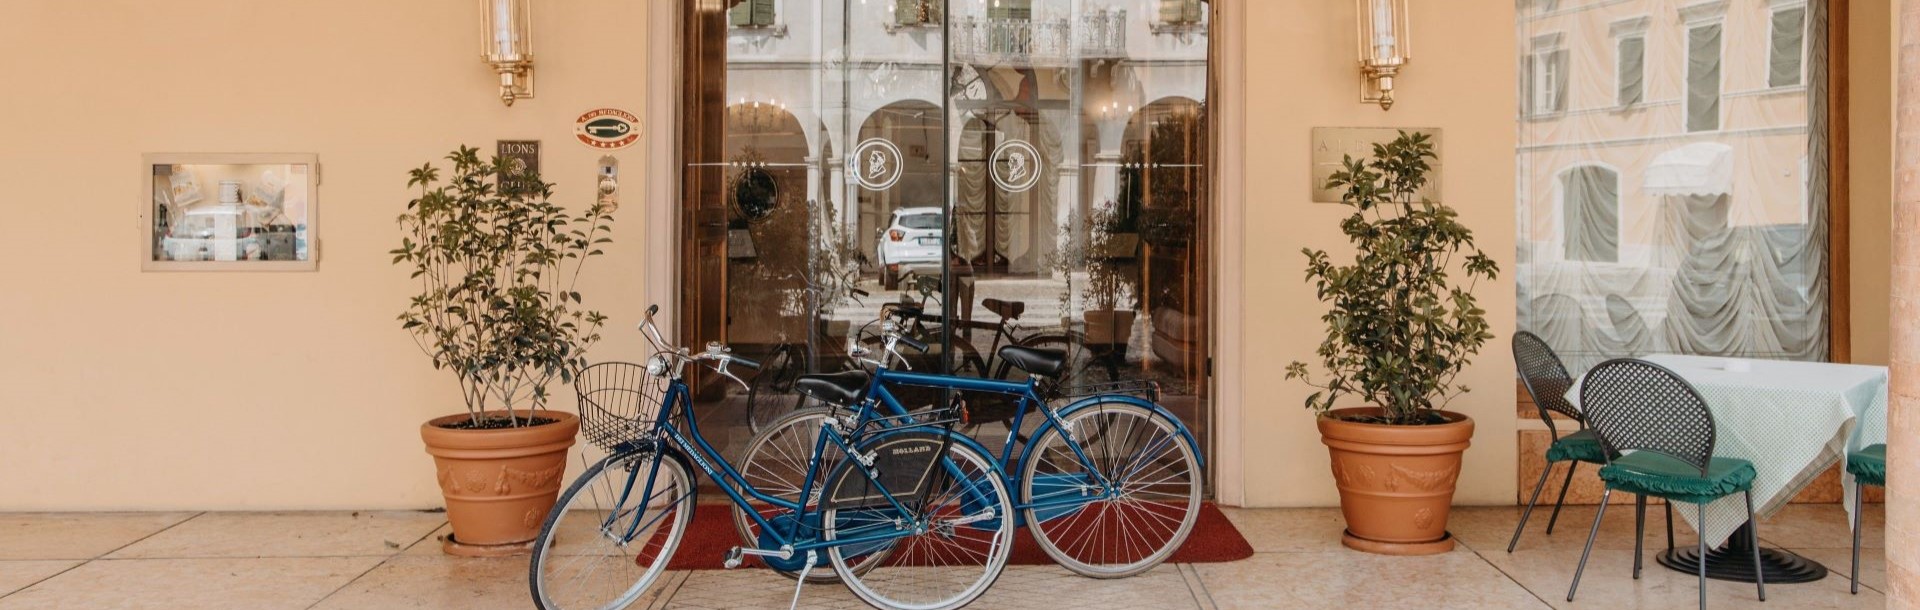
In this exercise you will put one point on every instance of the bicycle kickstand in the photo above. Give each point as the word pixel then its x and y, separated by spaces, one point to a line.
pixel 813 559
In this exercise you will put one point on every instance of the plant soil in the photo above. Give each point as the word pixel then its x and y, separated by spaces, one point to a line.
pixel 1427 419
pixel 499 423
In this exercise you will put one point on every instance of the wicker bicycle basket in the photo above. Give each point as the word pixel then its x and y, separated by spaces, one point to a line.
pixel 618 403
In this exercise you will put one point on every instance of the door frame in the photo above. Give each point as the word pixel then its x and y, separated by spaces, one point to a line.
pixel 1227 96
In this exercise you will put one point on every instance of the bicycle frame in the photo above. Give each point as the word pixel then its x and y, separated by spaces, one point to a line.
pixel 692 444
pixel 1028 394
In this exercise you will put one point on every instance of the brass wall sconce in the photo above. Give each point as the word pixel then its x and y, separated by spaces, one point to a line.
pixel 507 45
pixel 1386 44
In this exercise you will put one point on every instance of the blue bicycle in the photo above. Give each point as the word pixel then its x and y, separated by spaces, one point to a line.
pixel 910 514
pixel 1109 483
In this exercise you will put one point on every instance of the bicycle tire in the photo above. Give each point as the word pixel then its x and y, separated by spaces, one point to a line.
pixel 1070 534
pixel 781 368
pixel 681 498
pixel 877 584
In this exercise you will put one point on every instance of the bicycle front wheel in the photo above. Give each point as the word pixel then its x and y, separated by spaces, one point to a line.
pixel 777 463
pixel 1140 518
pixel 610 537
pixel 959 527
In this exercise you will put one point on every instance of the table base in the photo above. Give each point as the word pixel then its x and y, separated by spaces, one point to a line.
pixel 1733 561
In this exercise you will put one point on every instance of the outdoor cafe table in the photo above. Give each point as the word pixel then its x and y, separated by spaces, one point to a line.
pixel 1792 420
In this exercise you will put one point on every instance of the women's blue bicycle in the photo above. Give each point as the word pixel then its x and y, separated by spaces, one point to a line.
pixel 1109 483
pixel 908 513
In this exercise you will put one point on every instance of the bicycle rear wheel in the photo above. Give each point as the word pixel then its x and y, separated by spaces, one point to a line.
pixel 961 528
pixel 1156 481
pixel 604 544
pixel 771 396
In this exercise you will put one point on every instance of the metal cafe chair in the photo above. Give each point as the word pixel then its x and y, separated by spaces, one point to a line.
pixel 1658 436
pixel 1868 467
pixel 1547 381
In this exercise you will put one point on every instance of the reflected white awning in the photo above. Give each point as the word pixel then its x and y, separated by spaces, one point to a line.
pixel 1705 168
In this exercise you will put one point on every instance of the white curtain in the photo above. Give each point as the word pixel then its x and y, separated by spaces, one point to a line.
pixel 1672 203
pixel 1633 71
pixel 1703 77
pixel 1592 214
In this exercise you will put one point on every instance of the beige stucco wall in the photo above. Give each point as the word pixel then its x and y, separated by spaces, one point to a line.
pixel 1301 75
pixel 130 390
pixel 1872 54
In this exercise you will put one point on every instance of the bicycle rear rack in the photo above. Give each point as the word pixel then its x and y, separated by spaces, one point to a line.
pixel 1149 390
pixel 944 417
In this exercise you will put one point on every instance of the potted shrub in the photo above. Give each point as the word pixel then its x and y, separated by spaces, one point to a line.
pixel 1109 295
pixel 1400 331
pixel 496 262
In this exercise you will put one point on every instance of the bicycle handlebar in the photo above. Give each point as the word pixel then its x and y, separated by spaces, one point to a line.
pixel 910 342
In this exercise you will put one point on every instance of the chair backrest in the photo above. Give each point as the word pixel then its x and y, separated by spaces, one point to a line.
pixel 1635 405
pixel 1546 378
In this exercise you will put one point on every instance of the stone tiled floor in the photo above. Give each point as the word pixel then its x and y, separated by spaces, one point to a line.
pixel 361 560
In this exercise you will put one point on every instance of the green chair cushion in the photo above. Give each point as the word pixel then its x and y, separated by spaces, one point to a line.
pixel 1869 465
pixel 1581 446
pixel 1652 474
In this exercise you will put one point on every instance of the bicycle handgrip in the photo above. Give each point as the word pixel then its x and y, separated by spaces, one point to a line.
pixel 746 363
pixel 916 345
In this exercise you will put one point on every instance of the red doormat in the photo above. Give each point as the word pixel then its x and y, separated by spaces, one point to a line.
pixel 711 535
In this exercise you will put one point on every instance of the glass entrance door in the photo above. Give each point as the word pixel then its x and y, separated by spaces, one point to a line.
pixel 1014 172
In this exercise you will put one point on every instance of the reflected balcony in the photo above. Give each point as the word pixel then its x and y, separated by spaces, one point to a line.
pixel 1100 34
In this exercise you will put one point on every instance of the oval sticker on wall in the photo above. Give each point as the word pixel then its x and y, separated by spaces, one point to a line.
pixel 607 128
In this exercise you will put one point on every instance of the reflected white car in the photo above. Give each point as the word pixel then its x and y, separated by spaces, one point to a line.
pixel 911 237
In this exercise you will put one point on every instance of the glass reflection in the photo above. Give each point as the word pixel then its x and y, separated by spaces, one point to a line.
pixel 1042 180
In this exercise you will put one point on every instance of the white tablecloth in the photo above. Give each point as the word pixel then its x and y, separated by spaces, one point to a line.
pixel 1792 420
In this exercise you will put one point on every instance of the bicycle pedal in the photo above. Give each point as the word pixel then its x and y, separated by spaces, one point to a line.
pixel 734 558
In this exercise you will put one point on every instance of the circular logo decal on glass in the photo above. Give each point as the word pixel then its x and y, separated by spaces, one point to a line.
pixel 1016 166
pixel 875 164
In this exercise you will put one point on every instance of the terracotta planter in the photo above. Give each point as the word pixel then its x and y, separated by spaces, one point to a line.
pixel 499 484
pixel 1109 327
pixel 1396 482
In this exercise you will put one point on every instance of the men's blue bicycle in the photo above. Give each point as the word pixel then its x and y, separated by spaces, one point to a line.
pixel 910 514
pixel 1109 483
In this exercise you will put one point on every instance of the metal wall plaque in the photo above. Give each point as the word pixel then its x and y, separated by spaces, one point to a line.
pixel 523 155
pixel 1331 145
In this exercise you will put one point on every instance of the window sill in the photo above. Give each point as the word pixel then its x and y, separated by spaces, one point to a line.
pixel 893 28
pixel 1162 27
pixel 778 30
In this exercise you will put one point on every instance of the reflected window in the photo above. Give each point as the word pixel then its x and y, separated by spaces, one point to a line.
pixel 916 12
pixel 1630 86
pixel 1182 12
pixel 1019 10
pixel 1590 212
pixel 751 13
pixel 1707 240
pixel 1787 46
pixel 1547 76
pixel 1703 78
